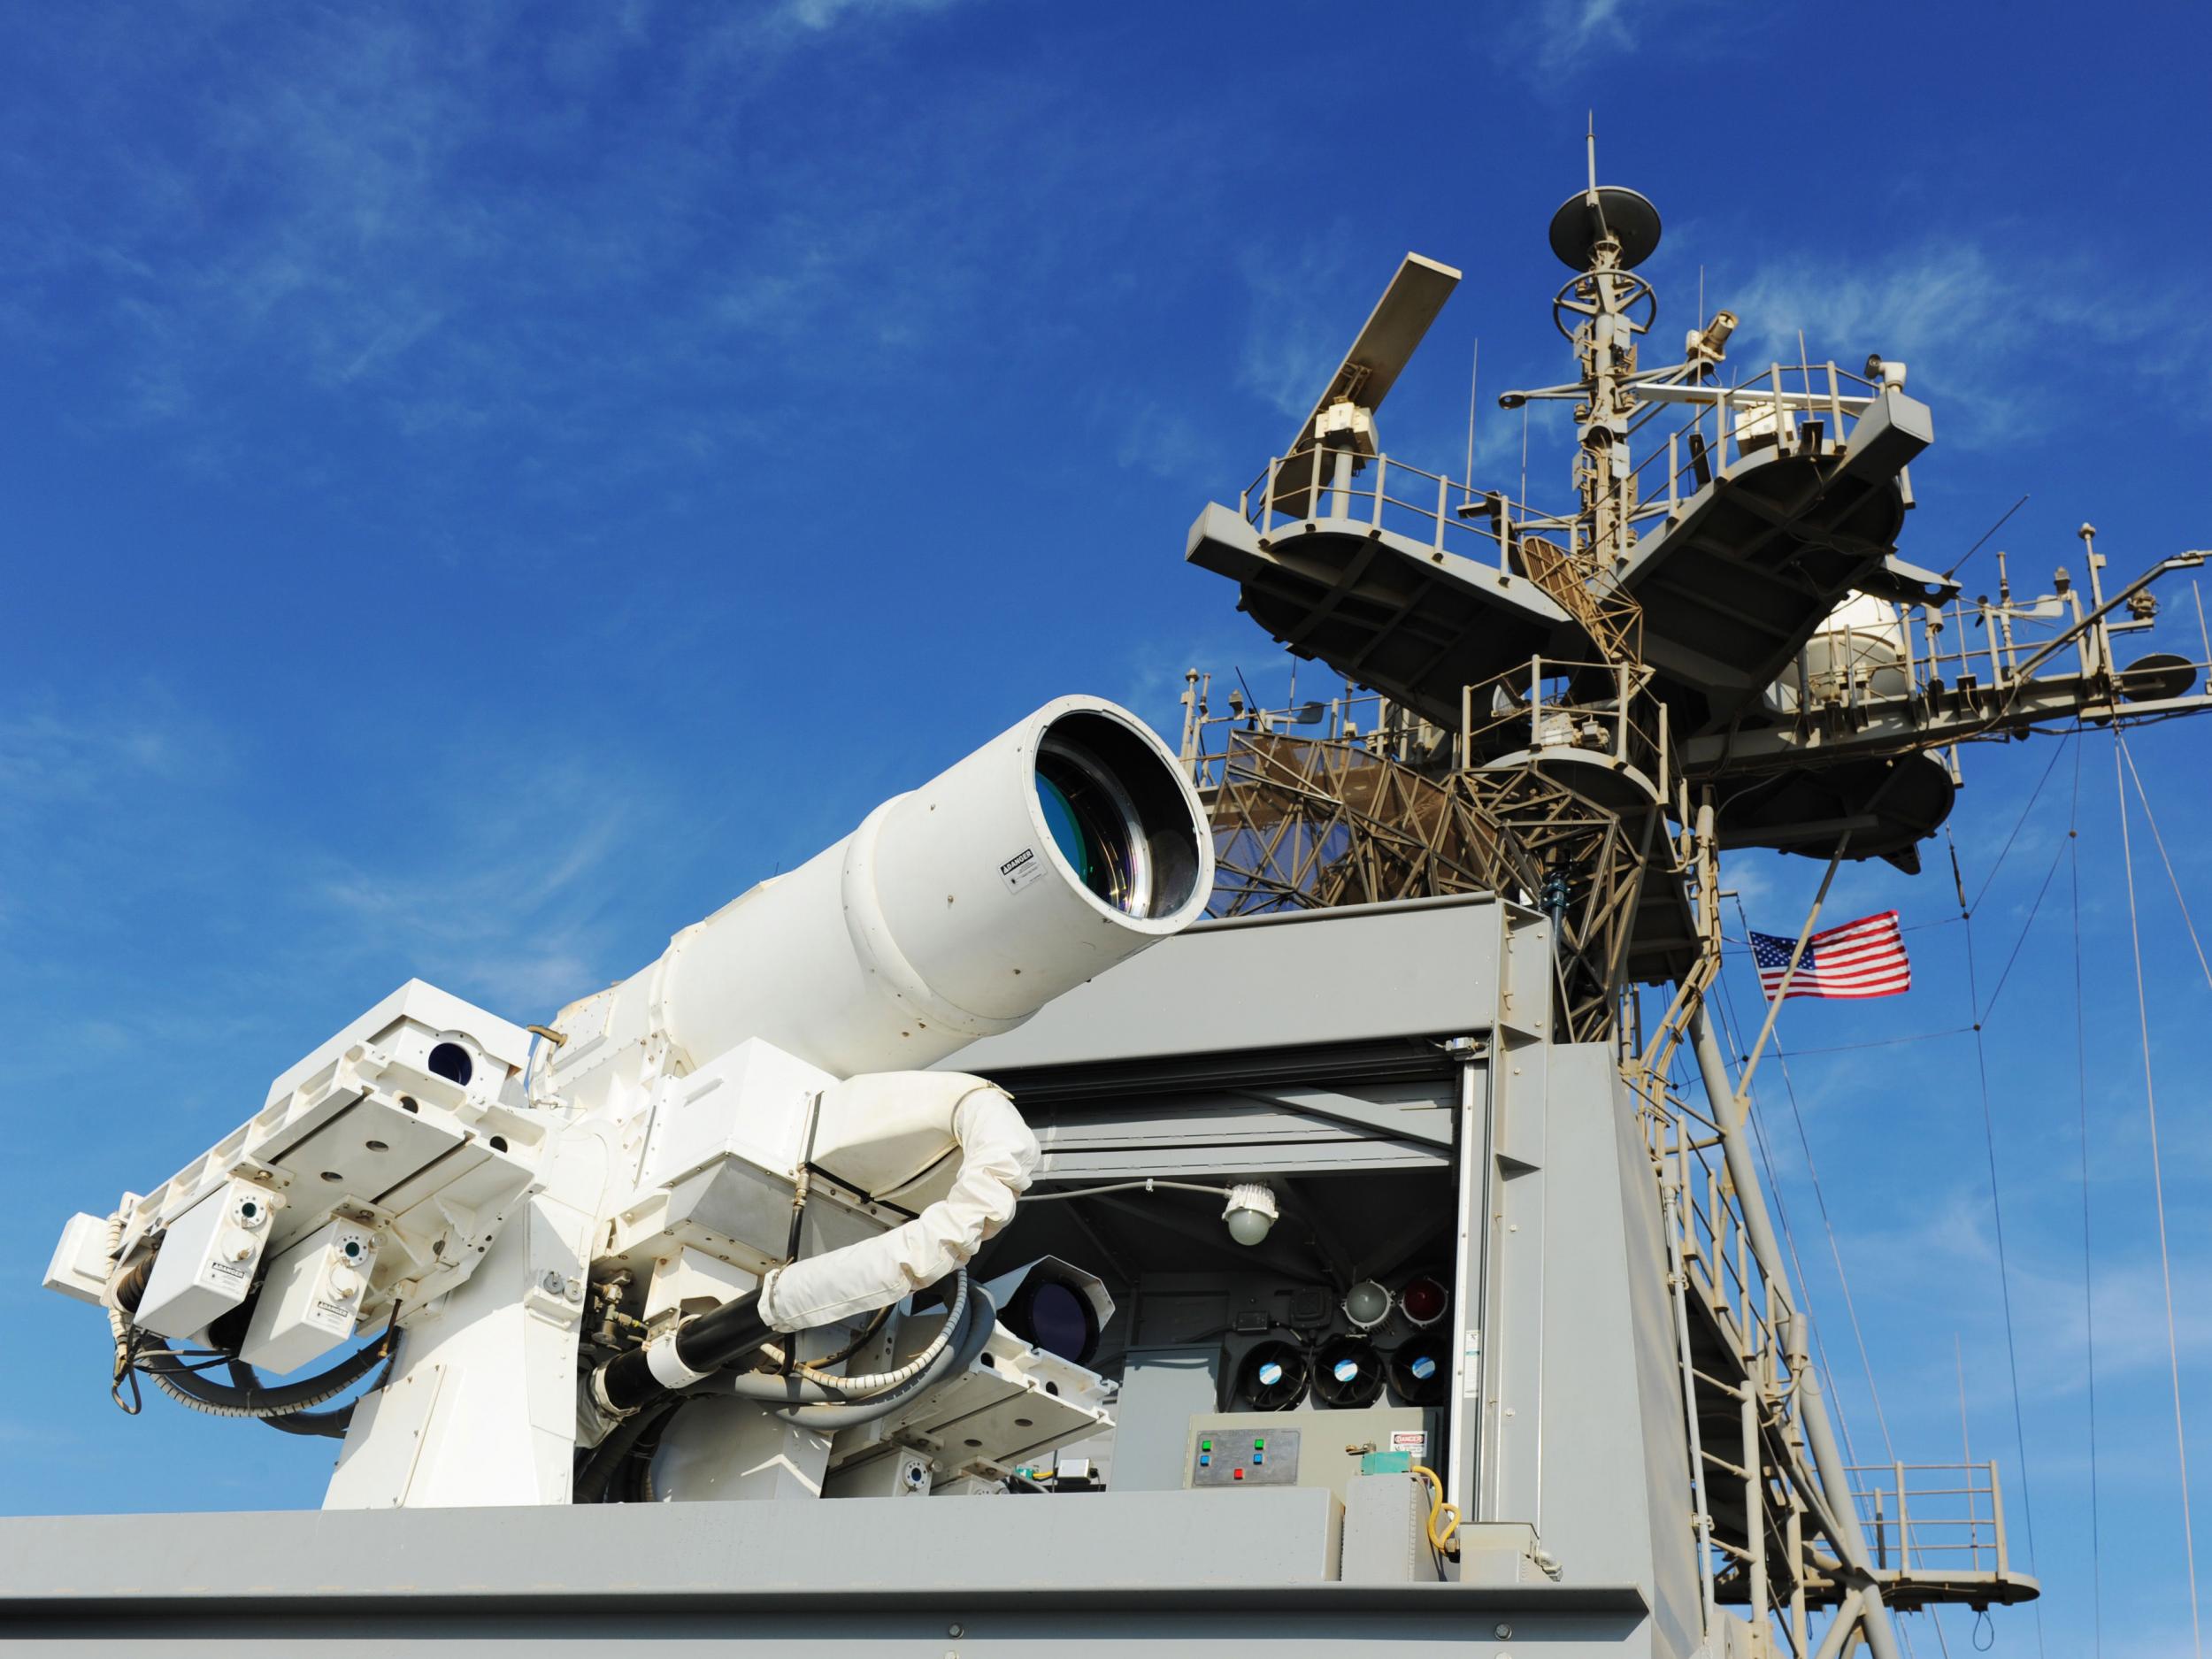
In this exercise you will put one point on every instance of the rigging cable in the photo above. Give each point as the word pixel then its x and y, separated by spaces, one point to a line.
pixel 2173 881
pixel 2158 1179
pixel 1732 1028
pixel 1835 1253
pixel 2033 912
pixel 1843 1280
pixel 1965 910
pixel 1883 1042
pixel 2088 1302
pixel 1986 535
pixel 1996 1198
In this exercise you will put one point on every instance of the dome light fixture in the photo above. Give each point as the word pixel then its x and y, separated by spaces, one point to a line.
pixel 1251 1212
pixel 1367 1304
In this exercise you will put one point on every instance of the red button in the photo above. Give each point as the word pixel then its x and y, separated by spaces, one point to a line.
pixel 1237 1475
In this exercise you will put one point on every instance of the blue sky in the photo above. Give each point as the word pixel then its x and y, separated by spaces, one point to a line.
pixel 483 485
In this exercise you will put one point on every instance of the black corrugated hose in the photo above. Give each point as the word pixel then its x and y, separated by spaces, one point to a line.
pixel 249 1396
pixel 597 1476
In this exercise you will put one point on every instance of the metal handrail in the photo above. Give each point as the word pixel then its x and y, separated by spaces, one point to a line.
pixel 1433 505
pixel 1900 1513
pixel 1709 1224
pixel 1631 727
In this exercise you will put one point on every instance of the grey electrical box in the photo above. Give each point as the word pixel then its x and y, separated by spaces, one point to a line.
pixel 1385 1531
pixel 1228 1450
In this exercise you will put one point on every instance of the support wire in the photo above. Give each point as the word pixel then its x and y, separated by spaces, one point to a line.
pixel 1732 1028
pixel 2088 1300
pixel 2158 1179
pixel 1996 1196
pixel 1835 1251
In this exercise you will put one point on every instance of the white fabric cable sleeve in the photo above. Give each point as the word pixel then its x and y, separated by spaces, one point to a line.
pixel 998 1154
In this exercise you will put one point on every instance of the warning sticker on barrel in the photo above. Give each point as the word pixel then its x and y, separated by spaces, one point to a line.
pixel 1022 869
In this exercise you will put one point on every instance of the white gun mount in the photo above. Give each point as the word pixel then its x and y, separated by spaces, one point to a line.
pixel 557 1230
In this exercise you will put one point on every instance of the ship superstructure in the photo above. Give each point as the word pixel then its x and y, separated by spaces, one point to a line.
pixel 1715 645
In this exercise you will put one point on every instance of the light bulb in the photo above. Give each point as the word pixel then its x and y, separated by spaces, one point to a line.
pixel 1367 1304
pixel 1251 1211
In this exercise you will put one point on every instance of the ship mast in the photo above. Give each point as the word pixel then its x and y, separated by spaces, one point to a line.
pixel 1716 647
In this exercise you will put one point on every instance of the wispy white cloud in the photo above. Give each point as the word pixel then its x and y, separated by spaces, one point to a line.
pixel 1573 29
pixel 52 754
pixel 1564 36
pixel 1303 314
pixel 383 215
pixel 509 903
pixel 1949 1246
pixel 1966 319
pixel 818 17
pixel 507 881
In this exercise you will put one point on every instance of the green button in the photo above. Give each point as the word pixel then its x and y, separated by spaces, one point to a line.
pixel 1259 1445
pixel 1205 1445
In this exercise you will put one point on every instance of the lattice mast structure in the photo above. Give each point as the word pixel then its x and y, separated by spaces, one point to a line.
pixel 1718 647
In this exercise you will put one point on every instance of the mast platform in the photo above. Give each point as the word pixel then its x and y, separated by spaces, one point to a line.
pixel 1414 583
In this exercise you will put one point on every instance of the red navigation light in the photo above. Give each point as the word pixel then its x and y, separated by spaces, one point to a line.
pixel 1423 1301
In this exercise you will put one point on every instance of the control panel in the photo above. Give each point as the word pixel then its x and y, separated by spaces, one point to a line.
pixel 1242 1457
pixel 1228 1451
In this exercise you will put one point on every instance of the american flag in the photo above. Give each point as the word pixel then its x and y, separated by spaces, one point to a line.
pixel 1861 959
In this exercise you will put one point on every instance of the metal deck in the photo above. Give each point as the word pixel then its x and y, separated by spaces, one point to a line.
pixel 883 1576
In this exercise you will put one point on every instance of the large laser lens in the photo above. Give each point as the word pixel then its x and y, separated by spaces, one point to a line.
pixel 1119 819
pixel 1060 1322
pixel 1095 827
pixel 1049 1313
pixel 1079 849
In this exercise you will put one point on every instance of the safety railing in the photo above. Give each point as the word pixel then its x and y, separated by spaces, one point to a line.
pixel 1801 408
pixel 1797 406
pixel 1859 668
pixel 1853 670
pixel 1447 515
pixel 1372 722
pixel 1601 708
pixel 1716 1251
pixel 1934 1519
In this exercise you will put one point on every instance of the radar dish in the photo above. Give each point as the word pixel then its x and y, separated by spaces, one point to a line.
pixel 2155 677
pixel 1371 368
pixel 1580 224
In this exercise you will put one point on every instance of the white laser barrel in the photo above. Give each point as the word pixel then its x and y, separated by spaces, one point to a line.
pixel 1061 846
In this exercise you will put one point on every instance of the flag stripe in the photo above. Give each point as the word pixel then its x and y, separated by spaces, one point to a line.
pixel 1847 970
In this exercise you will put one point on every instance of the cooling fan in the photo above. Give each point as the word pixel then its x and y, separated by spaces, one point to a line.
pixel 1271 1377
pixel 1348 1371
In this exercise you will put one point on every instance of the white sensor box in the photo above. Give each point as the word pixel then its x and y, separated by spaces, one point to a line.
pixel 80 1263
pixel 311 1301
pixel 208 1260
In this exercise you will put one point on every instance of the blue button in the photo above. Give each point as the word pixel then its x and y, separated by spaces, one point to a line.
pixel 1204 1460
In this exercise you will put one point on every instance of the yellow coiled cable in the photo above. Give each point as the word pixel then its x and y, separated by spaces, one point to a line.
pixel 1441 1542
